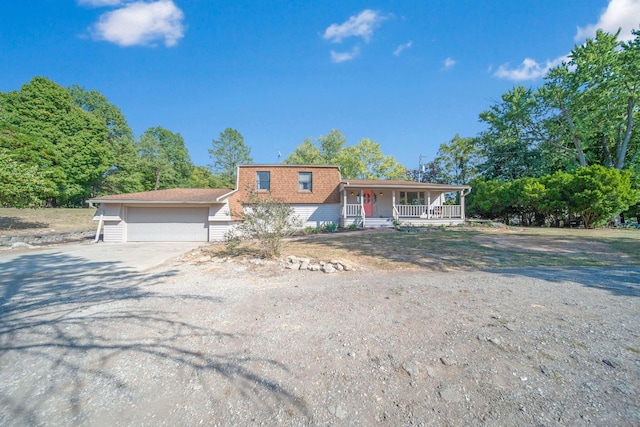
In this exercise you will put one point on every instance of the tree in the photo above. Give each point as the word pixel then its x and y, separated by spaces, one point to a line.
pixel 306 154
pixel 597 194
pixel 584 114
pixel 509 146
pixel 361 161
pixel 267 221
pixel 366 161
pixel 122 175
pixel 596 94
pixel 457 160
pixel 325 151
pixel 21 185
pixel 63 141
pixel 164 160
pixel 431 172
pixel 201 177
pixel 227 153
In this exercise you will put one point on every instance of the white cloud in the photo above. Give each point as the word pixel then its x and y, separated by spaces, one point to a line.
pixel 356 26
pixel 99 3
pixel 338 57
pixel 624 14
pixel 402 47
pixel 449 62
pixel 141 23
pixel 528 70
pixel 619 14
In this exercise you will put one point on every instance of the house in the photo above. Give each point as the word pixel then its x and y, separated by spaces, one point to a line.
pixel 317 194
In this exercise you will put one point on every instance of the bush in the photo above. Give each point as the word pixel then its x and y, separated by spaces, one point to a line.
pixel 330 227
pixel 267 221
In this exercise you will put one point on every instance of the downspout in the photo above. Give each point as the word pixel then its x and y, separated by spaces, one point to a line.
pixel 99 226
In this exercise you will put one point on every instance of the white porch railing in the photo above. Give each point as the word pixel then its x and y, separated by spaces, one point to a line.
pixel 353 210
pixel 435 212
pixel 410 211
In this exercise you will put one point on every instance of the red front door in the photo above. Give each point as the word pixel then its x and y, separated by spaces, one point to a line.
pixel 367 201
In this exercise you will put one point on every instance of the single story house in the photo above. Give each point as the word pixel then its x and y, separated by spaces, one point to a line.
pixel 317 194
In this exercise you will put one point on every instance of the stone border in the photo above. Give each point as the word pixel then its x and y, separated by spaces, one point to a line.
pixel 45 238
pixel 292 262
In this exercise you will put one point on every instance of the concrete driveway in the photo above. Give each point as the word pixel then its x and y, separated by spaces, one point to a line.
pixel 135 256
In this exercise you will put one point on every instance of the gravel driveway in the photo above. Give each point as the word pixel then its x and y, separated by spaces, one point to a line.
pixel 242 344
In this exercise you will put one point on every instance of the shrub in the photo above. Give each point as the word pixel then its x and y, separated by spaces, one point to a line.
pixel 267 221
pixel 330 227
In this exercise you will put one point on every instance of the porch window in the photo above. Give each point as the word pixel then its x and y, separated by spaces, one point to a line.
pixel 304 181
pixel 412 198
pixel 263 181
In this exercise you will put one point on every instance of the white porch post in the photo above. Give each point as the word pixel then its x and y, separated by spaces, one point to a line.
pixel 344 204
pixel 362 214
pixel 429 204
pixel 462 204
pixel 393 204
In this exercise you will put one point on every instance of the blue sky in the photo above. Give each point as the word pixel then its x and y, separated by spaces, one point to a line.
pixel 406 74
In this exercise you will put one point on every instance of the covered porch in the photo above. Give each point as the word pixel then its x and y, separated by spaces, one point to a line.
pixel 371 203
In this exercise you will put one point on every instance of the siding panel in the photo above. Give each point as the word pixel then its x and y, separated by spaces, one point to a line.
pixel 317 215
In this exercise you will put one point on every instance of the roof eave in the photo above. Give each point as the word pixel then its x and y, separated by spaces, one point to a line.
pixel 161 202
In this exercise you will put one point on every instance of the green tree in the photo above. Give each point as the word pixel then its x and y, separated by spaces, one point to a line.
pixel 306 154
pixel 509 147
pixel 64 142
pixel 21 185
pixel 488 199
pixel 227 153
pixel 596 94
pixel 326 150
pixel 584 114
pixel 122 175
pixel 164 159
pixel 598 194
pixel 366 161
pixel 201 177
pixel 458 159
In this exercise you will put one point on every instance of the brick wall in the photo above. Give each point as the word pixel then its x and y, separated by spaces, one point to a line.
pixel 284 184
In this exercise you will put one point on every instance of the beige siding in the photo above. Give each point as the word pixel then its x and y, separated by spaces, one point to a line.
pixel 218 229
pixel 112 231
pixel 110 212
pixel 219 212
pixel 317 215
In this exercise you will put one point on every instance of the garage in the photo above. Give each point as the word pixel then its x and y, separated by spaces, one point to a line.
pixel 167 224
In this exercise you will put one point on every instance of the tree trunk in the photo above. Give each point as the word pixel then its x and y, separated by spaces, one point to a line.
pixel 622 147
pixel 157 180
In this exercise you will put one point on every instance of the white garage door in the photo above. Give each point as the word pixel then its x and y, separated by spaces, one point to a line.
pixel 167 224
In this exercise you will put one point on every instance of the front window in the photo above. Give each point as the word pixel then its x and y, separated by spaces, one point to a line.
pixel 304 181
pixel 412 198
pixel 263 181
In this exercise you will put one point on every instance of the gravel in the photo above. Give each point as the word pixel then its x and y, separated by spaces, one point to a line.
pixel 230 343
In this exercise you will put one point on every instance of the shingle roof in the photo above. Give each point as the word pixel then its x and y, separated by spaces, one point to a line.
pixel 184 195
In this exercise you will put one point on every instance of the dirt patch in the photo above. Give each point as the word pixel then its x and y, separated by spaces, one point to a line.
pixel 50 220
pixel 563 247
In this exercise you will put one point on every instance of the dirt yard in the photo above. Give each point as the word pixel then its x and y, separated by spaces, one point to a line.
pixel 245 342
